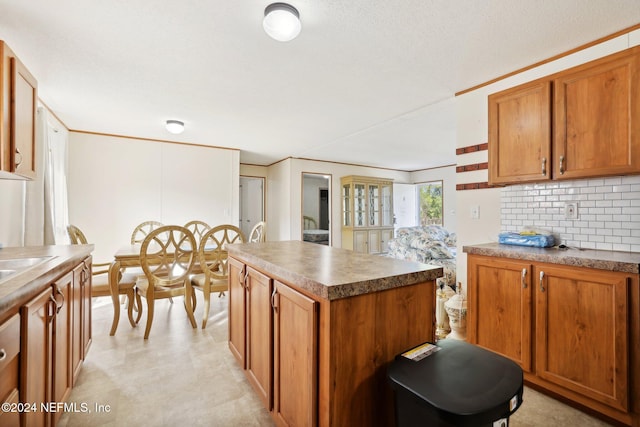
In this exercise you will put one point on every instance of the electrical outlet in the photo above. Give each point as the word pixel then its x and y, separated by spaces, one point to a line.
pixel 571 210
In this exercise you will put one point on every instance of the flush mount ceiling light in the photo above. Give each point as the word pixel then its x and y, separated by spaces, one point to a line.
pixel 281 22
pixel 175 126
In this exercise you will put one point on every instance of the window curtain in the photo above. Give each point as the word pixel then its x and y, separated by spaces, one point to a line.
pixel 53 140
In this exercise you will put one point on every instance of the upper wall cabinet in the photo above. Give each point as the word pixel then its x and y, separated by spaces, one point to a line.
pixel 520 134
pixel 579 123
pixel 18 102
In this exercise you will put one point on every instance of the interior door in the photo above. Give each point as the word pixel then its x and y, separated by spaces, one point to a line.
pixel 251 203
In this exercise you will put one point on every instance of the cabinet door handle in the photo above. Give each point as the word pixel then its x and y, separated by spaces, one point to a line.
pixel 561 165
pixel 244 281
pixel 18 153
pixel 59 307
pixel 3 354
pixel 524 275
pixel 51 312
pixel 541 281
pixel 241 278
pixel 274 303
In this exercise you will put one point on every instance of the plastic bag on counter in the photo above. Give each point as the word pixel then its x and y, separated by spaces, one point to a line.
pixel 527 239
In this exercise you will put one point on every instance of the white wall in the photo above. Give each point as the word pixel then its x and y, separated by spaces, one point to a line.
pixel 472 125
pixel 116 183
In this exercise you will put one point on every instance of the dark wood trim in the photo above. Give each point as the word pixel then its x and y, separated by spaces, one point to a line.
pixel 472 167
pixel 474 186
pixel 472 148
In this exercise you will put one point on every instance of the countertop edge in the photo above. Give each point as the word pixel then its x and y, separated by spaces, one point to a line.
pixel 624 262
pixel 332 291
pixel 18 290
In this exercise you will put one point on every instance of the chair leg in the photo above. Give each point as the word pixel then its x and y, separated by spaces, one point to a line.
pixel 138 307
pixel 207 305
pixel 130 305
pixel 150 307
pixel 188 296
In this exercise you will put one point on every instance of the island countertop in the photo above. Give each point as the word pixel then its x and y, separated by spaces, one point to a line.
pixel 332 273
pixel 626 262
pixel 28 282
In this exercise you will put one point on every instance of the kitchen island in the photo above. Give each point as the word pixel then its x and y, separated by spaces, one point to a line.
pixel 315 328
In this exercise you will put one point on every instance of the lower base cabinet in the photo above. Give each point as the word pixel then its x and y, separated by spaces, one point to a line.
pixel 573 330
pixel 318 362
pixel 44 344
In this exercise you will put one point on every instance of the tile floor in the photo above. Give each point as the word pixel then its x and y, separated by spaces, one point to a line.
pixel 187 377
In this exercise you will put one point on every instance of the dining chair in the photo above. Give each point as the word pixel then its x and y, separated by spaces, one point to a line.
pixel 167 256
pixel 142 230
pixel 100 277
pixel 258 232
pixel 212 256
pixel 198 228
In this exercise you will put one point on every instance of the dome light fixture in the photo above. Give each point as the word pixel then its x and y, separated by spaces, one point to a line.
pixel 281 22
pixel 175 126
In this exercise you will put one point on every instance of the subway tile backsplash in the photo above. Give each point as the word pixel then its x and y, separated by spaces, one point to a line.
pixel 608 211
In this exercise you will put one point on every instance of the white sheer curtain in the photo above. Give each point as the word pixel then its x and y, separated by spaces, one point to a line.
pixel 46 202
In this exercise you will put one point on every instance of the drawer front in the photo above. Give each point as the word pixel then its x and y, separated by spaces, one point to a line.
pixel 9 341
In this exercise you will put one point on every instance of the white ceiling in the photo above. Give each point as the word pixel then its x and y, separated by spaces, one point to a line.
pixel 369 82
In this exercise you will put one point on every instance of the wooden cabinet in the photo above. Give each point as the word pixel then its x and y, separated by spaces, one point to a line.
pixel 499 313
pixel 568 327
pixel 10 369
pixel 280 338
pixel 36 343
pixel 53 340
pixel 520 134
pixel 81 338
pixel 259 339
pixel 295 348
pixel 237 311
pixel 597 118
pixel 18 103
pixel 589 127
pixel 367 213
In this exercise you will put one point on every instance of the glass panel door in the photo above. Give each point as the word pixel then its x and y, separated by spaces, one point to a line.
pixel 359 205
pixel 374 205
pixel 386 203
pixel 346 205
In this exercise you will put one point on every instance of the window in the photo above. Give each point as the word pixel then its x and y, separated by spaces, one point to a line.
pixel 430 202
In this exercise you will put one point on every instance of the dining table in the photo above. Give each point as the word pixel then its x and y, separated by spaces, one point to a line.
pixel 128 256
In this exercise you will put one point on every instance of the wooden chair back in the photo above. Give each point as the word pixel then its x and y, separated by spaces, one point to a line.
pixel 198 228
pixel 167 256
pixel 213 254
pixel 142 230
pixel 258 232
pixel 76 235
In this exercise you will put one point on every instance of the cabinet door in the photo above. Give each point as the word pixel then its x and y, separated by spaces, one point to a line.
pixel 386 204
pixel 597 118
pixel 23 124
pixel 260 335
pixel 76 338
pixel 520 134
pixel 62 332
pixel 295 358
pixel 582 332
pixel 35 355
pixel 10 369
pixel 237 315
pixel 375 241
pixel 359 205
pixel 386 236
pixel 86 308
pixel 361 241
pixel 499 307
pixel 373 210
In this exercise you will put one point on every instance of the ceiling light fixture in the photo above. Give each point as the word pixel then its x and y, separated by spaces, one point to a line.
pixel 175 126
pixel 281 22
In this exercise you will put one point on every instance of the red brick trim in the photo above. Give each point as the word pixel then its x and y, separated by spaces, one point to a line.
pixel 472 148
pixel 474 186
pixel 472 167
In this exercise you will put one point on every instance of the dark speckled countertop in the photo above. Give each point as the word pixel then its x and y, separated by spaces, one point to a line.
pixel 626 262
pixel 332 273
pixel 19 288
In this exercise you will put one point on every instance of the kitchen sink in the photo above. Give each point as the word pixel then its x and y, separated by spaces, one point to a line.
pixel 9 267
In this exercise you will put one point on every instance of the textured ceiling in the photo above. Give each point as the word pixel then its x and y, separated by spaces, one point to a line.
pixel 367 81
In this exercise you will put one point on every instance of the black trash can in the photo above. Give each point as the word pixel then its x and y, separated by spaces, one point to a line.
pixel 454 383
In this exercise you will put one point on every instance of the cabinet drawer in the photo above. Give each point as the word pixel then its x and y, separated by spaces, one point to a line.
pixel 9 341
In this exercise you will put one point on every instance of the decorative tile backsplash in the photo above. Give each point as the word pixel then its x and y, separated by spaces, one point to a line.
pixel 608 211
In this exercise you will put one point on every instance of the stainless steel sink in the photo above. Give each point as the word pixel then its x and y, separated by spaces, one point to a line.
pixel 10 267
